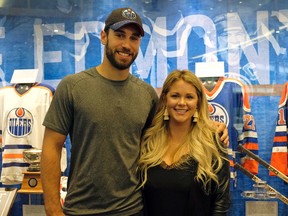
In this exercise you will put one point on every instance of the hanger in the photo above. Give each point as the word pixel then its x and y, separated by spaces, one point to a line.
pixel 209 82
pixel 21 88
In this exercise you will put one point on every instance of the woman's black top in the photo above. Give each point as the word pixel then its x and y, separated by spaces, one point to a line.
pixel 173 191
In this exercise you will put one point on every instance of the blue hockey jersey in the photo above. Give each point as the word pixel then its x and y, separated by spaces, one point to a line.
pixel 229 103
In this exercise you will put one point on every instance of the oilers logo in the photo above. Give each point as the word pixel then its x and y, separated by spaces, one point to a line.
pixel 20 122
pixel 129 14
pixel 218 113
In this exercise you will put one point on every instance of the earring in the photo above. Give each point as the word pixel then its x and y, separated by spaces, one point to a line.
pixel 195 116
pixel 166 115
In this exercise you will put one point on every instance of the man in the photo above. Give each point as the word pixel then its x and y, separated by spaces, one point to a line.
pixel 105 111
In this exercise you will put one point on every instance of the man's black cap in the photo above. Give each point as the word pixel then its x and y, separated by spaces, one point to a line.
pixel 121 17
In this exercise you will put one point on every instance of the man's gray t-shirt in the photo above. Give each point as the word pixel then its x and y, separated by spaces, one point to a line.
pixel 105 120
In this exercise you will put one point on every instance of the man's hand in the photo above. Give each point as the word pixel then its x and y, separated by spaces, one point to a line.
pixel 223 132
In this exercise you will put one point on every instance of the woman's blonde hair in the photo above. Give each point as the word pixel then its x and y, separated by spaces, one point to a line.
pixel 202 141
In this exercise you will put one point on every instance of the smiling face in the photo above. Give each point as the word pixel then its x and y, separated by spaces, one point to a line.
pixel 181 102
pixel 122 46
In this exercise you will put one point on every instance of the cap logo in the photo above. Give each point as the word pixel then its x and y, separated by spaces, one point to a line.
pixel 129 14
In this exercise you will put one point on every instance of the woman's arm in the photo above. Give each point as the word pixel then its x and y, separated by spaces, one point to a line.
pixel 222 192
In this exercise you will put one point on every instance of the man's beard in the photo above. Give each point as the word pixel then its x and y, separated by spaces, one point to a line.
pixel 116 64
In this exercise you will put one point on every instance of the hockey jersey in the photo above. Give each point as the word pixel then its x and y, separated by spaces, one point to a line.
pixel 21 118
pixel 279 157
pixel 229 104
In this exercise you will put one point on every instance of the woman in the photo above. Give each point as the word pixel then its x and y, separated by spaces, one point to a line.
pixel 184 167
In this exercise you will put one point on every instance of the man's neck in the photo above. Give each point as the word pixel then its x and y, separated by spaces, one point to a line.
pixel 112 73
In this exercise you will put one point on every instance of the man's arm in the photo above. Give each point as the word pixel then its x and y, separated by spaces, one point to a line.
pixel 51 172
pixel 223 132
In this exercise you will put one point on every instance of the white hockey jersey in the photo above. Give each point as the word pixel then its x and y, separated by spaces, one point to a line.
pixel 21 118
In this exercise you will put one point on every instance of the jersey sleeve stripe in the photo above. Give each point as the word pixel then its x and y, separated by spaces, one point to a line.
pixel 7 156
